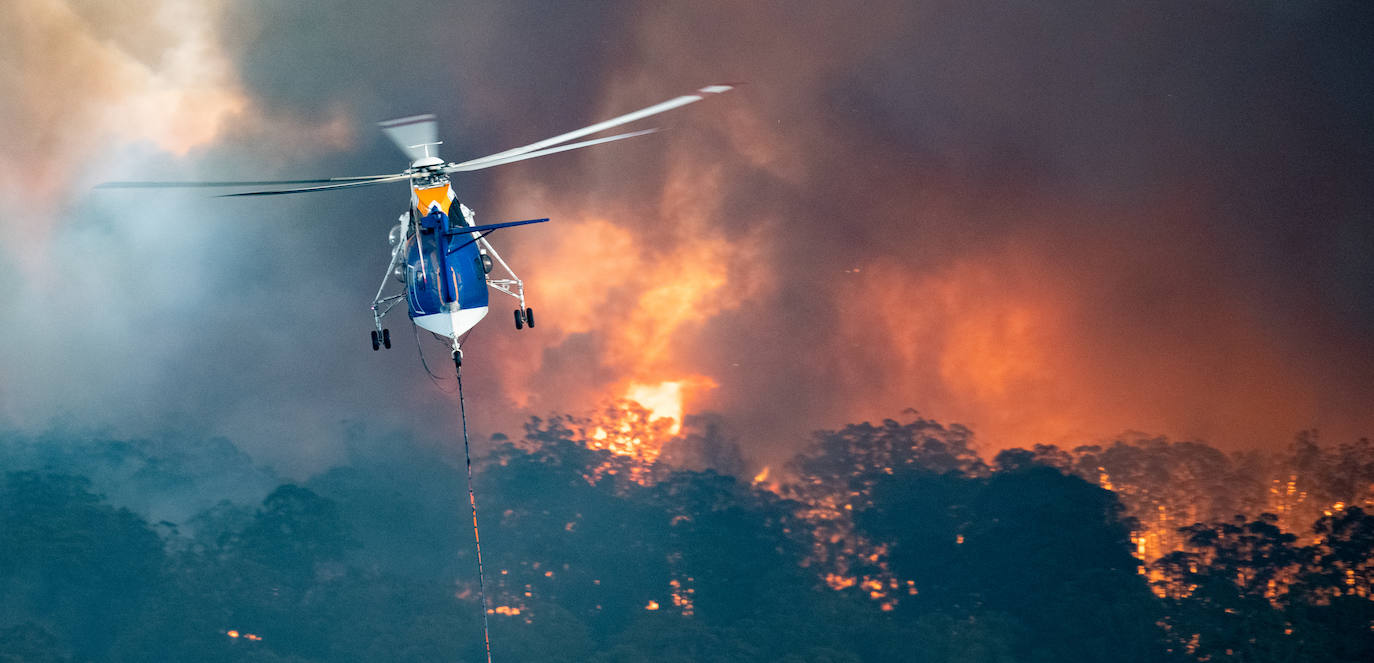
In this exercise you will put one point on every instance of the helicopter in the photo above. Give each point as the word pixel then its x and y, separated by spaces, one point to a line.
pixel 439 253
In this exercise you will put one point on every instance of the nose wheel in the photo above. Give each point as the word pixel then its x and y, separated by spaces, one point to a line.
pixel 524 317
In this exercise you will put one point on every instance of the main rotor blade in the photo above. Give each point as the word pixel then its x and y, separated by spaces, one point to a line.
pixel 200 184
pixel 345 185
pixel 640 114
pixel 458 167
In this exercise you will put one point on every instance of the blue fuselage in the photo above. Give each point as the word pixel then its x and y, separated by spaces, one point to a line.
pixel 443 268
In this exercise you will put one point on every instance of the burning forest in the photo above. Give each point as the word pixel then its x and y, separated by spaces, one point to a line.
pixel 889 541
pixel 1045 226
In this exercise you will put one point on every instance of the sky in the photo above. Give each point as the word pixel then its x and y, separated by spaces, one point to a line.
pixel 1051 222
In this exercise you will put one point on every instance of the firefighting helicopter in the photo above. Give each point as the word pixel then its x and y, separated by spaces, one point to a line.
pixel 439 252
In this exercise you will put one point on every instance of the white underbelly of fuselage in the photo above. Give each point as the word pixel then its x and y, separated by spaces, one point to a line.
pixel 452 324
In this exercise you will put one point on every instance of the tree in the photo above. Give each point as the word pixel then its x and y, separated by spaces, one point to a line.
pixel 1341 563
pixel 1222 593
pixel 294 531
pixel 1054 553
pixel 70 561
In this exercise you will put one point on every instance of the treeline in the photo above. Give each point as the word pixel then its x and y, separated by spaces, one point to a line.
pixel 1227 586
pixel 1170 485
pixel 886 542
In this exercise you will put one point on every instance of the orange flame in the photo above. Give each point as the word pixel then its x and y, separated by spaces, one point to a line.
pixel 664 400
pixel 638 425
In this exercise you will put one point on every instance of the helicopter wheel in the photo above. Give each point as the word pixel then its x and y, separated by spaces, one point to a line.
pixel 519 319
pixel 529 317
pixel 374 341
pixel 386 338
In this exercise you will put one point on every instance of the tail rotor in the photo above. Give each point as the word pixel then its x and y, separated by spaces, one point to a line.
pixel 417 136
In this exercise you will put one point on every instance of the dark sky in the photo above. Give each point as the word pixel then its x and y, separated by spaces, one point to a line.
pixel 1053 222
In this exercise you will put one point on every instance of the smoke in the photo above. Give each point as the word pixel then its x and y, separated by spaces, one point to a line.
pixel 1049 223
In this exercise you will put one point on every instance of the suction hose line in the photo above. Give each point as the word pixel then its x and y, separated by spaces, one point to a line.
pixel 472 501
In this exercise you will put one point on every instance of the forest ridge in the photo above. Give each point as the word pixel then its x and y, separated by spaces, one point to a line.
pixel 882 542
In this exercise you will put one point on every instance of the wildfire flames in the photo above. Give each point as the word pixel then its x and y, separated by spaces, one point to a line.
pixel 665 399
pixel 644 419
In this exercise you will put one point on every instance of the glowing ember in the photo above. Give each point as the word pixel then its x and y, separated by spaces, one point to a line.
pixel 682 596
pixel 838 582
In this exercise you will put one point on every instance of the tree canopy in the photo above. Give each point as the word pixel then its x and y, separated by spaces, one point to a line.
pixel 893 541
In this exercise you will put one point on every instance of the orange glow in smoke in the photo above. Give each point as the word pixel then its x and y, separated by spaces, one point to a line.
pixel 634 296
pixel 108 88
pixel 1063 335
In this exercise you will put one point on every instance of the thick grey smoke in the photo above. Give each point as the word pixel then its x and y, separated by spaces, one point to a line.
pixel 1050 222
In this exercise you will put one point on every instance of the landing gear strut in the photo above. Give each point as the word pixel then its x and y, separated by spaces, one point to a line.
pixel 513 286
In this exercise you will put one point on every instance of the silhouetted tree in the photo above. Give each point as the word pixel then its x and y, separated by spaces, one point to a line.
pixel 1341 563
pixel 1222 593
pixel 62 552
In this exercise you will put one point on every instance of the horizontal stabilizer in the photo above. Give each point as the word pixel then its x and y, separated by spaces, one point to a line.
pixel 494 226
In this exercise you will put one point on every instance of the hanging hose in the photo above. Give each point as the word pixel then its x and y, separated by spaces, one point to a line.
pixel 421 351
pixel 472 501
